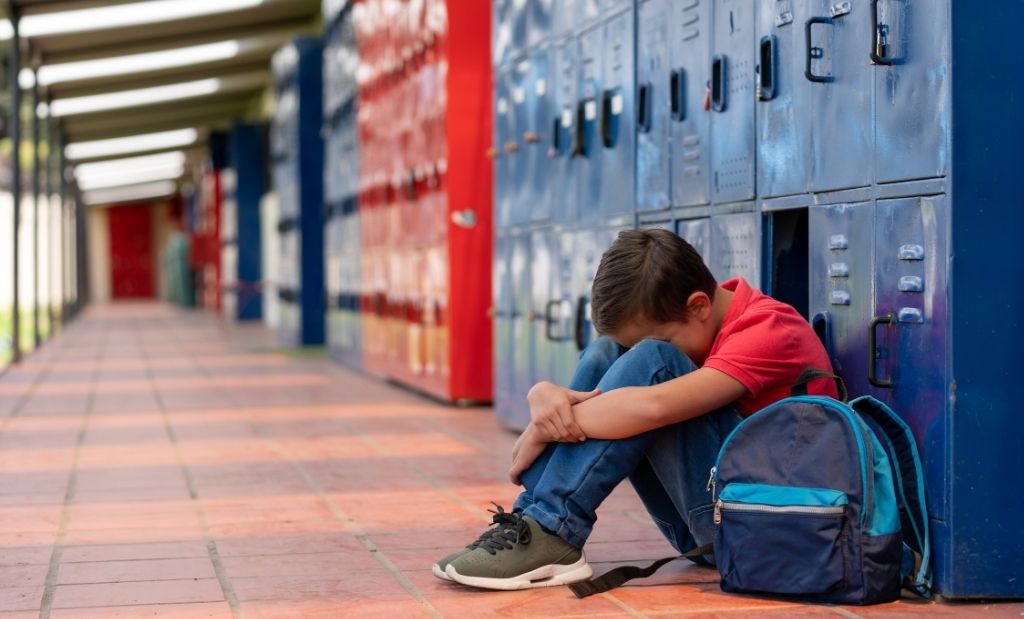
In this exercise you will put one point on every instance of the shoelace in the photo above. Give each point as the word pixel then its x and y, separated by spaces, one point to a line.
pixel 508 529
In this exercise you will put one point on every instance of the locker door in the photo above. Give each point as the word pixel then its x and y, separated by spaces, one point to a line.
pixel 563 164
pixel 783 98
pixel 543 281
pixel 561 312
pixel 841 94
pixel 522 328
pixel 565 16
pixel 587 11
pixel 841 282
pixel 589 246
pixel 519 15
pixel 732 102
pixel 501 31
pixel 689 76
pixel 912 90
pixel 697 232
pixel 617 131
pixel 736 247
pixel 587 143
pixel 536 137
pixel 504 136
pixel 541 20
pixel 653 107
pixel 911 258
pixel 520 187
pixel 501 284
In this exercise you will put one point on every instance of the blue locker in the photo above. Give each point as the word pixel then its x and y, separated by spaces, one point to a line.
pixel 697 232
pixel 841 250
pixel 588 247
pixel 504 344
pixel 245 154
pixel 841 94
pixel 689 82
pixel 911 90
pixel 911 247
pixel 653 104
pixel 586 11
pixel 520 364
pixel 519 14
pixel 351 341
pixel 560 312
pixel 544 284
pixel 563 164
pixel 732 102
pixel 564 17
pixel 502 28
pixel 505 145
pixel 586 144
pixel 536 141
pixel 520 186
pixel 616 134
pixel 783 99
pixel 298 154
pixel 736 247
pixel 541 22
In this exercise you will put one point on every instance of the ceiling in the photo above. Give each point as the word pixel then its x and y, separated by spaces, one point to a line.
pixel 242 76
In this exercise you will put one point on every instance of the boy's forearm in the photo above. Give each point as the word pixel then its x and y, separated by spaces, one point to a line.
pixel 621 413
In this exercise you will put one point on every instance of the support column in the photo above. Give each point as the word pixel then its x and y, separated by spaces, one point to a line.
pixel 15 87
pixel 52 172
pixel 36 337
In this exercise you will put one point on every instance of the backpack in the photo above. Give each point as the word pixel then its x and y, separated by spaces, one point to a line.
pixel 815 499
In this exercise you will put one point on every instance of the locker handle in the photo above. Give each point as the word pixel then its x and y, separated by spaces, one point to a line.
pixel 766 68
pixel 873 378
pixel 879 39
pixel 611 112
pixel 718 70
pixel 643 108
pixel 815 52
pixel 551 320
pixel 822 325
pixel 581 319
pixel 677 94
pixel 581 145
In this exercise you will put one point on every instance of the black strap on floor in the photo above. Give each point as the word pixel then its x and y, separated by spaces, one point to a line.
pixel 620 575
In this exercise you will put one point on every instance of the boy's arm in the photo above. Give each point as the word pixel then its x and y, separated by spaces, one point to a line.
pixel 629 411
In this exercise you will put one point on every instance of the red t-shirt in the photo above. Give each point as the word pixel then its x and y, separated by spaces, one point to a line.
pixel 765 345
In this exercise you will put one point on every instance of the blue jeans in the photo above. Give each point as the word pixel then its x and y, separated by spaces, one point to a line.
pixel 669 466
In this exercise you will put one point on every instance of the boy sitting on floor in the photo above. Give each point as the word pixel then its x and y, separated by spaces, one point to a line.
pixel 681 361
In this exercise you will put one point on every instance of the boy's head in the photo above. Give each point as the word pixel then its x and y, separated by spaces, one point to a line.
pixel 653 284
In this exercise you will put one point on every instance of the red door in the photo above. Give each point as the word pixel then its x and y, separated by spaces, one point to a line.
pixel 131 251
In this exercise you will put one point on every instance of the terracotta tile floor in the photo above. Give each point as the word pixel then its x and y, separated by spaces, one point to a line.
pixel 161 463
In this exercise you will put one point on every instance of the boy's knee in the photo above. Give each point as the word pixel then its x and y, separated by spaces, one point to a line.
pixel 603 349
pixel 652 352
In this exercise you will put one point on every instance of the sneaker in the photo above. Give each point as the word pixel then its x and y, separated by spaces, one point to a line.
pixel 519 555
pixel 501 517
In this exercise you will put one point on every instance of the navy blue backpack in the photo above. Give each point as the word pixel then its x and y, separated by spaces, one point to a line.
pixel 816 500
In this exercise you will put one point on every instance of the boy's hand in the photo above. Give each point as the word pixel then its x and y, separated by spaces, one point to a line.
pixel 551 411
pixel 526 450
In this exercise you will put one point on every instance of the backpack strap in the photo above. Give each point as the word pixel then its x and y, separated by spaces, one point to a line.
pixel 909 475
pixel 800 385
pixel 618 576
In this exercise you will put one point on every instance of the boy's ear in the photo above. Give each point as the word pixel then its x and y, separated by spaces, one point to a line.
pixel 698 305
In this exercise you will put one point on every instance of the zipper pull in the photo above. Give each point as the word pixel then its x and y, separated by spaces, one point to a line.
pixel 711 480
pixel 718 512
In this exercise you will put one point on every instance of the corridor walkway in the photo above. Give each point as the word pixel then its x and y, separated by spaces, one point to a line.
pixel 159 463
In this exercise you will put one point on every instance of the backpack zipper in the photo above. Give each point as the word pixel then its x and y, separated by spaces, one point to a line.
pixel 817 510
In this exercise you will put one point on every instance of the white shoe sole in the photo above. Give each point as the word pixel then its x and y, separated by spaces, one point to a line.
pixel 545 576
pixel 438 572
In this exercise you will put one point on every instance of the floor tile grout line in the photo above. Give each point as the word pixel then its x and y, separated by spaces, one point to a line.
pixel 53 570
pixel 211 545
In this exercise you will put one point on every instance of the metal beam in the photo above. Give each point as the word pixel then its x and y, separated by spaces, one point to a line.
pixel 200 112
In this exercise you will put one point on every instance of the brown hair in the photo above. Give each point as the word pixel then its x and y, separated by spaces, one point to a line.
pixel 647 274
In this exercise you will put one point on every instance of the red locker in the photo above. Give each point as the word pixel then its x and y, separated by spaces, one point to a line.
pixel 425 124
